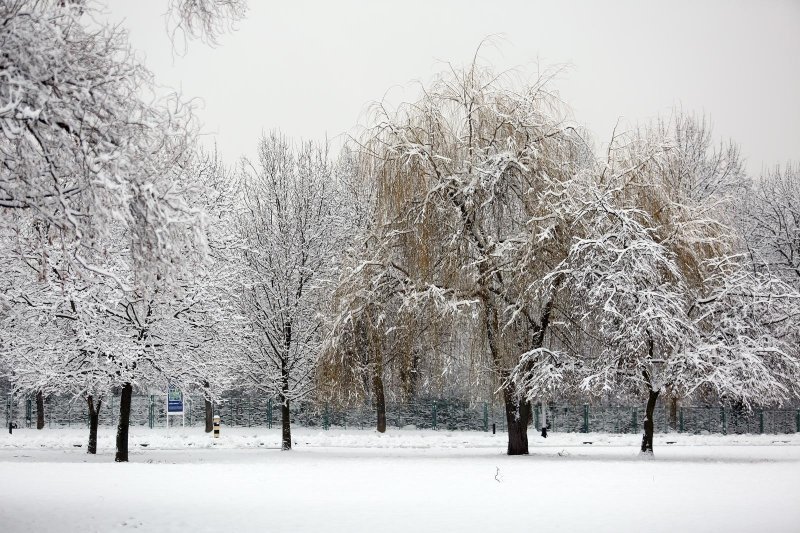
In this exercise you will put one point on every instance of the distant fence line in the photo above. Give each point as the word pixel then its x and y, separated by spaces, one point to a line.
pixel 150 411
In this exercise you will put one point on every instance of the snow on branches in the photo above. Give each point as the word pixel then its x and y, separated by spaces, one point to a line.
pixel 290 229
pixel 84 153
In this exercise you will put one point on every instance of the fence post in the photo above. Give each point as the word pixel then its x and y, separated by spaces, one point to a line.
pixel 326 422
pixel 634 423
pixel 434 414
pixel 586 418
pixel 151 412
pixel 269 413
pixel 761 420
pixel 680 420
pixel 724 420
pixel 485 416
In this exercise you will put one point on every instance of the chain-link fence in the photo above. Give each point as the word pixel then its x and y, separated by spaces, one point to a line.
pixel 244 411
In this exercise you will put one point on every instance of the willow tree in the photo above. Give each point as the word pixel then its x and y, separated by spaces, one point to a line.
pixel 472 199
pixel 376 342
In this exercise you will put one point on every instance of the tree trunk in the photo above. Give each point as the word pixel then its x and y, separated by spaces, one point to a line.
pixel 39 410
pixel 124 423
pixel 209 409
pixel 647 438
pixel 517 415
pixel 518 410
pixel 380 398
pixel 286 429
pixel 286 433
pixel 209 416
pixel 94 418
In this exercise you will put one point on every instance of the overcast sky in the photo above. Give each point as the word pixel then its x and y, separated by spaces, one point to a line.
pixel 311 68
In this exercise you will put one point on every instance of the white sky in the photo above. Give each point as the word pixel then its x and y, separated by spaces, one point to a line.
pixel 311 68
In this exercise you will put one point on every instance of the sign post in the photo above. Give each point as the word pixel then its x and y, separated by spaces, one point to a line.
pixel 175 404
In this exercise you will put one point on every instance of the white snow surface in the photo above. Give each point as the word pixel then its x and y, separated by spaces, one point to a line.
pixel 404 480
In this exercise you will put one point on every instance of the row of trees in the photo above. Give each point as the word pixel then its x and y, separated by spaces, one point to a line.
pixel 497 226
pixel 110 250
pixel 474 239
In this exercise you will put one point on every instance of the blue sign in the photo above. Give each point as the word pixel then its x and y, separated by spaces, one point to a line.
pixel 174 400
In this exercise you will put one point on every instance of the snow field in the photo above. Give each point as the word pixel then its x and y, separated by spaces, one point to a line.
pixel 405 480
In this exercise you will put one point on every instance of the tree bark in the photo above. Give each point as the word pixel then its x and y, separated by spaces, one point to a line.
pixel 209 416
pixel 286 428
pixel 124 423
pixel 94 418
pixel 209 410
pixel 517 415
pixel 516 409
pixel 647 438
pixel 286 431
pixel 39 410
pixel 380 397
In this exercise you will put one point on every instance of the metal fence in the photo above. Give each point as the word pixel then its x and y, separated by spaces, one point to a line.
pixel 150 411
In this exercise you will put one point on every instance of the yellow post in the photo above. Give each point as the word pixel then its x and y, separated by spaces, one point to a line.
pixel 216 426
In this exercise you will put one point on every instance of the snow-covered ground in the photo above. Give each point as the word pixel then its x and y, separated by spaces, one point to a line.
pixel 405 480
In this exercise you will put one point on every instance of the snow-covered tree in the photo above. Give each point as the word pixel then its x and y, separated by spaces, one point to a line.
pixel 78 138
pixel 289 227
pixel 473 209
pixel 770 220
pixel 104 245
pixel 374 345
pixel 655 298
pixel 97 335
pixel 204 19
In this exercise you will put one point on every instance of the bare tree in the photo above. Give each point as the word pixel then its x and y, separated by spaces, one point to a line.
pixel 289 228
pixel 203 19
pixel 654 296
pixel 770 220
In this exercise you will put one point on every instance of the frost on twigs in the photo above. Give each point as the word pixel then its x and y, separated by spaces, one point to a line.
pixel 290 227
pixel 472 199
pixel 85 155
pixel 103 237
pixel 652 294
pixel 206 20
